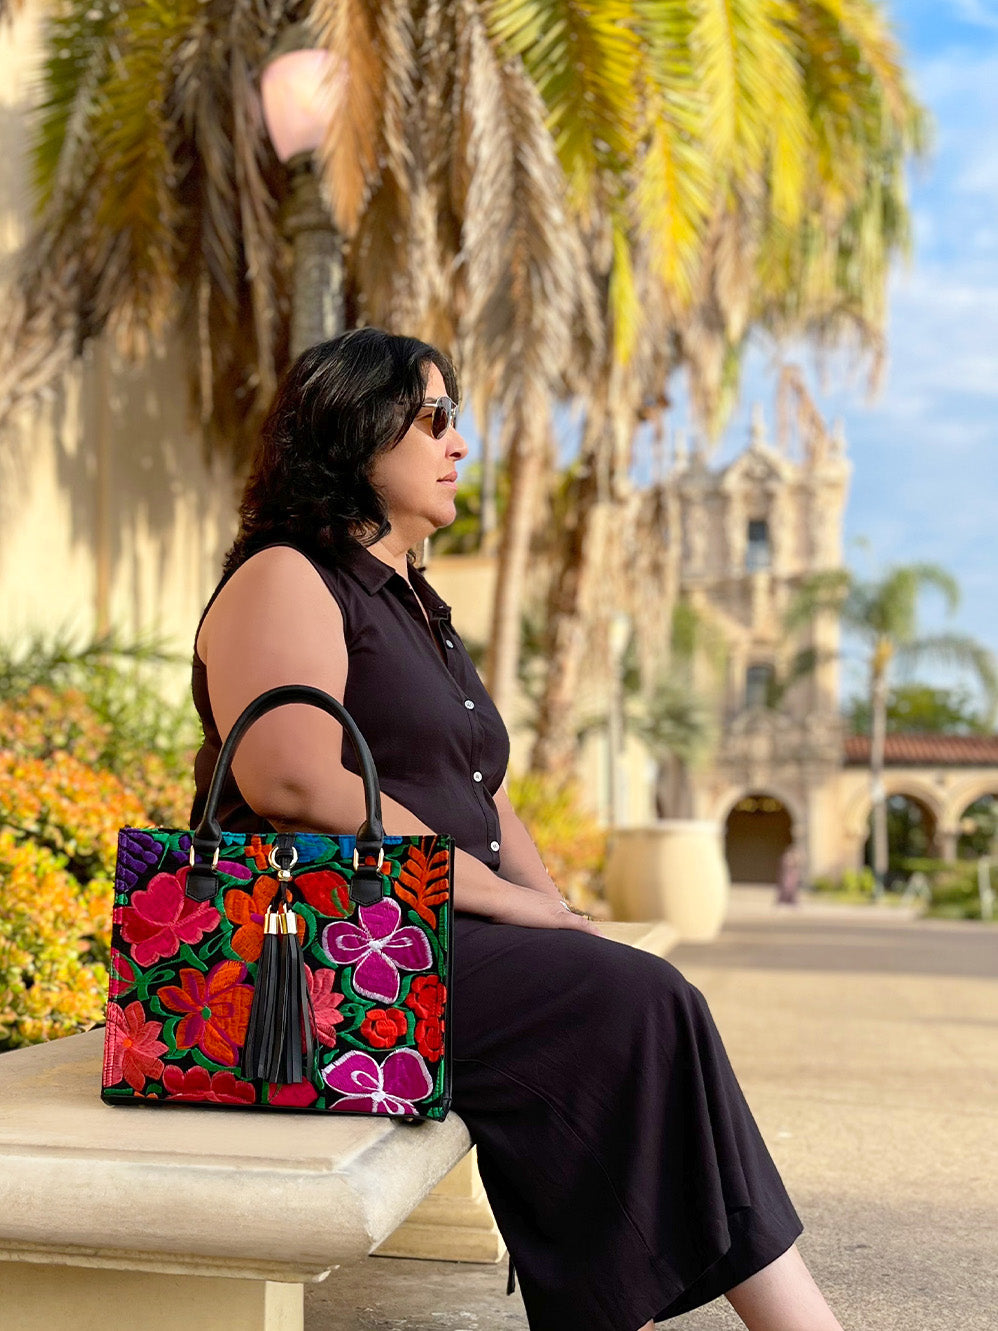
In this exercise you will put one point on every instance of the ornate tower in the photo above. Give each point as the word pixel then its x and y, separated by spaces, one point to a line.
pixel 752 533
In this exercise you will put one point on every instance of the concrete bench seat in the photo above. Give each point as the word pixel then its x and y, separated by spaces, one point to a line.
pixel 121 1202
pixel 181 1217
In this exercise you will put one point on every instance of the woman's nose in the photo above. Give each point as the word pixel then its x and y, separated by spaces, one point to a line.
pixel 458 446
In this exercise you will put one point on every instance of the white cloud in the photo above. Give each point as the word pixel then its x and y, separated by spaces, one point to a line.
pixel 977 12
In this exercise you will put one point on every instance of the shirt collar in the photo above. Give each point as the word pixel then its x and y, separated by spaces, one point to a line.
pixel 373 574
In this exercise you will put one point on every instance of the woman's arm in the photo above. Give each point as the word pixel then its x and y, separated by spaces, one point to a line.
pixel 275 622
pixel 520 861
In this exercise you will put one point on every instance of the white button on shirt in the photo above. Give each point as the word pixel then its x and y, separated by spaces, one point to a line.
pixel 448 642
pixel 476 776
pixel 493 845
pixel 468 703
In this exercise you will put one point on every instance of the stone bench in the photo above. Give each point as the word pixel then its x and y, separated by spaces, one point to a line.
pixel 187 1217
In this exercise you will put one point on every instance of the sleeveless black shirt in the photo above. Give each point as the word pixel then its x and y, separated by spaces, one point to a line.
pixel 438 741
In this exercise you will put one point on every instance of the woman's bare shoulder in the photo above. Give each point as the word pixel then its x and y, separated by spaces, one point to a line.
pixel 275 586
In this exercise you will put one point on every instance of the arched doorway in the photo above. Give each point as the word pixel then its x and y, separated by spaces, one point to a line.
pixel 757 832
pixel 911 832
pixel 978 827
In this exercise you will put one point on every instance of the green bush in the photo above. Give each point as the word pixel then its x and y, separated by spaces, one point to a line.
pixel 953 885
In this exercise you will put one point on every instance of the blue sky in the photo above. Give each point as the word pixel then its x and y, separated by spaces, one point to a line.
pixel 925 449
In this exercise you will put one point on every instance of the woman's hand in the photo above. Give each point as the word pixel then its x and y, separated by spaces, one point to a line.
pixel 537 910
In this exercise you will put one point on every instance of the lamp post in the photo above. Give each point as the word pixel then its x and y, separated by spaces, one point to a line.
pixel 297 89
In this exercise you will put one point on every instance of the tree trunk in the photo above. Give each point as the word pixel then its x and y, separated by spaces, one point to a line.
pixel 878 731
pixel 673 789
pixel 554 741
pixel 526 467
pixel 488 524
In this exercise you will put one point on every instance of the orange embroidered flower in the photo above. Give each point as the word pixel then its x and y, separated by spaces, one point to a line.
pixel 247 911
pixel 216 1010
pixel 258 852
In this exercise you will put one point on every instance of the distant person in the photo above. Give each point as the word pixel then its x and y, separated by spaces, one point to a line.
pixel 624 1168
pixel 788 878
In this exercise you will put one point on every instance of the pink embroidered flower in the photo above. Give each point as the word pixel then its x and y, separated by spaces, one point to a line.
pixel 161 917
pixel 325 1004
pixel 135 1048
pixel 216 1010
pixel 377 949
pixel 200 1084
pixel 367 1087
pixel 299 1095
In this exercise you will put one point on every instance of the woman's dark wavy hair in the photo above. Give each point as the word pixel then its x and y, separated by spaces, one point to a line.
pixel 340 404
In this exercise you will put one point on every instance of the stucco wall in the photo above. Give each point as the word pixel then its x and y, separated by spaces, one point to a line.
pixel 109 515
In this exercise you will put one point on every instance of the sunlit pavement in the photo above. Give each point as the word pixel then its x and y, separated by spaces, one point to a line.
pixel 867 1045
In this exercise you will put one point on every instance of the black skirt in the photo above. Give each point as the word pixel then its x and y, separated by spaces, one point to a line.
pixel 622 1163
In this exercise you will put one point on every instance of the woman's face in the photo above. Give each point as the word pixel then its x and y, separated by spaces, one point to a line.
pixel 417 479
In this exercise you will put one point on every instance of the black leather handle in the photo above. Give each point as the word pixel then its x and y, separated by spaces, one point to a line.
pixel 208 836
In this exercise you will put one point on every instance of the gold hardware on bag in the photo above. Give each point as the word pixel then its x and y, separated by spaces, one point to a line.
pixel 356 858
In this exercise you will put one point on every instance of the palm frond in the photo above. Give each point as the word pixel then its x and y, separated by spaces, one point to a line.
pixel 824 592
pixel 584 62
pixel 349 151
pixel 960 651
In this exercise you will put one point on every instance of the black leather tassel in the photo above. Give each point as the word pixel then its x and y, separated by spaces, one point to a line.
pixel 259 1044
pixel 280 1046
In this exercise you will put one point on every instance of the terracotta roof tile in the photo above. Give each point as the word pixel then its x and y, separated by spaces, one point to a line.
pixel 927 750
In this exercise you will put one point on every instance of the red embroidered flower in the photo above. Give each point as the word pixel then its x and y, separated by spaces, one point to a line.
pixel 161 917
pixel 430 1038
pixel 200 1084
pixel 325 891
pixel 122 975
pixel 135 1048
pixel 325 1004
pixel 427 996
pixel 247 911
pixel 216 1007
pixel 299 1095
pixel 383 1027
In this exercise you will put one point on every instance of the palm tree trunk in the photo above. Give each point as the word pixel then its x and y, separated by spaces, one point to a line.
pixel 554 745
pixel 526 468
pixel 878 732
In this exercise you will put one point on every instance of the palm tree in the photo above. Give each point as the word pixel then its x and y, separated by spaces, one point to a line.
pixel 546 189
pixel 785 157
pixel 883 614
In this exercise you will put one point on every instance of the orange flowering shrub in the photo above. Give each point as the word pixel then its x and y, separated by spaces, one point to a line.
pixel 69 808
pixel 568 836
pixel 43 723
pixel 68 782
pixel 50 926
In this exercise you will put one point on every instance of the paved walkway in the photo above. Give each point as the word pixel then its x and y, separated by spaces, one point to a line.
pixel 867 1045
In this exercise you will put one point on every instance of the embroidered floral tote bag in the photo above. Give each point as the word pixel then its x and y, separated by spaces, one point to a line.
pixel 282 970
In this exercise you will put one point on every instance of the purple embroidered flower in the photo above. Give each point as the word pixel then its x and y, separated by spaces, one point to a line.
pixel 377 949
pixel 392 1087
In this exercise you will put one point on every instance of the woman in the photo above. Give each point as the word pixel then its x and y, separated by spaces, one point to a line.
pixel 621 1162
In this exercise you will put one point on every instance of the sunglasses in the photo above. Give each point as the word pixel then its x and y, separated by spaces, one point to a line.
pixel 444 415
